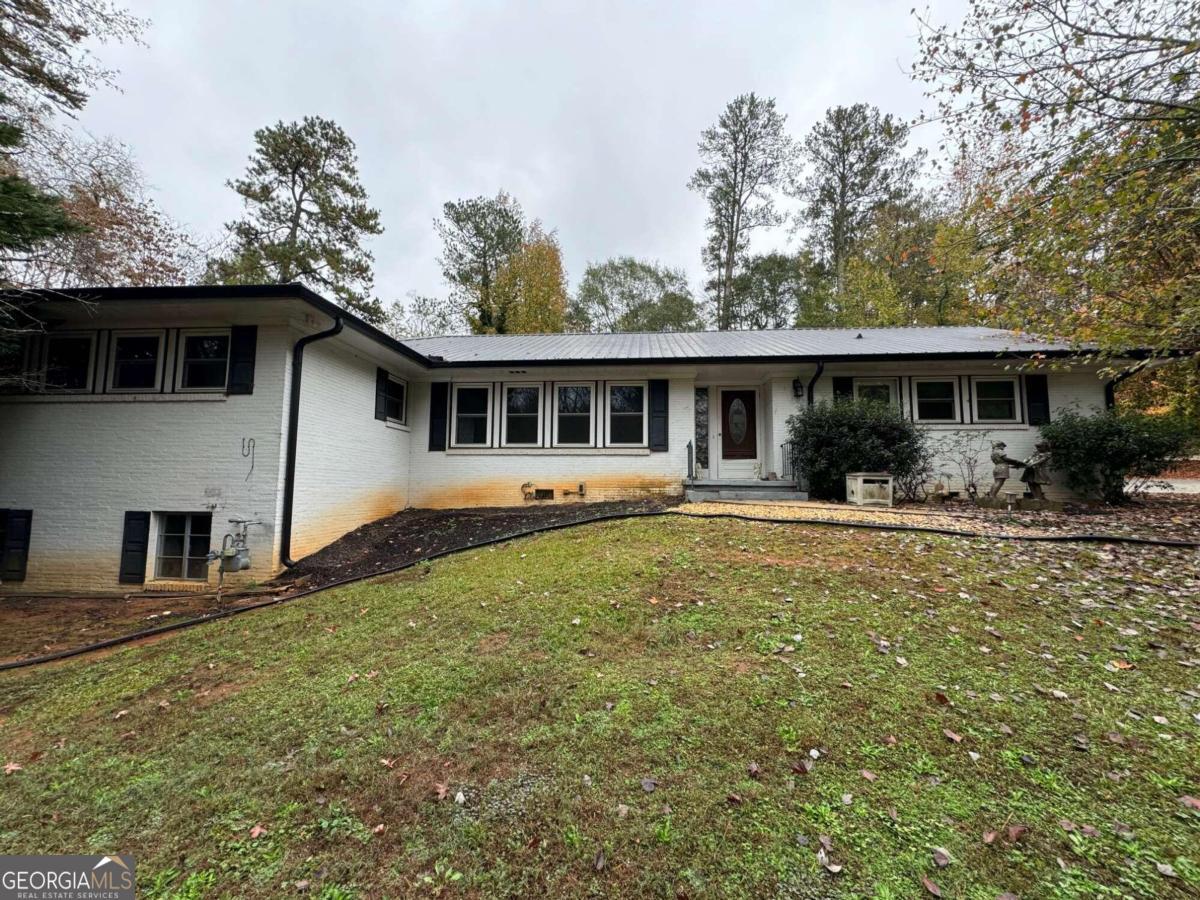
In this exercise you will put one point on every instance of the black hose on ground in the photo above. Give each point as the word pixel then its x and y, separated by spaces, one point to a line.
pixel 557 526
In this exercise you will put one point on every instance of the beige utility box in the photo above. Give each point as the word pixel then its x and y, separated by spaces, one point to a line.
pixel 869 488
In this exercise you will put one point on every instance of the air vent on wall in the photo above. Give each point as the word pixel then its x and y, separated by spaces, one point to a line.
pixel 543 494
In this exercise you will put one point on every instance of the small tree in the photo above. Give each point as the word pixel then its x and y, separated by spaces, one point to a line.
pixel 833 439
pixel 1111 455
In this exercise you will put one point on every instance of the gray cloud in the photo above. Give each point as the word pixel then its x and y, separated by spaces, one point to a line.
pixel 588 113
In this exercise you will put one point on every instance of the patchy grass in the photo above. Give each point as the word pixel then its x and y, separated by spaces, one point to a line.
pixel 597 697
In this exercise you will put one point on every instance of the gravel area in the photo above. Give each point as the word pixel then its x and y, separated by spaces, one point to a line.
pixel 1161 516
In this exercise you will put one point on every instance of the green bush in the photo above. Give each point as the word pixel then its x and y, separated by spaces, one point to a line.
pixel 832 439
pixel 1098 453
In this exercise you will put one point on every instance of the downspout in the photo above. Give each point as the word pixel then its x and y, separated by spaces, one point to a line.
pixel 812 381
pixel 289 471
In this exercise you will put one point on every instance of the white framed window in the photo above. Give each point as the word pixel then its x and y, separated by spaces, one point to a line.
pixel 183 542
pixel 879 390
pixel 471 415
pixel 626 412
pixel 68 361
pixel 135 361
pixel 395 400
pixel 202 360
pixel 574 414
pixel 522 423
pixel 995 399
pixel 935 399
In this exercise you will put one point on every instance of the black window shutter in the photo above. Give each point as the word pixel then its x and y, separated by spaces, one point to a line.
pixel 381 380
pixel 243 339
pixel 658 414
pixel 14 554
pixel 135 542
pixel 843 388
pixel 1037 399
pixel 439 401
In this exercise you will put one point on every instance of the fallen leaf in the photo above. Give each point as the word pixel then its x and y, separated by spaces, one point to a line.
pixel 823 858
pixel 754 771
pixel 733 799
pixel 600 861
pixel 989 837
pixel 941 856
pixel 379 829
pixel 868 774
pixel 1190 802
pixel 121 713
pixel 441 790
pixel 1165 870
pixel 930 886
pixel 648 785
pixel 957 738
pixel 11 767
pixel 1016 832
pixel 257 831
pixel 388 763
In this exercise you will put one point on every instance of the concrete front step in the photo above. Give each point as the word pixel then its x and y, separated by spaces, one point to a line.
pixel 755 495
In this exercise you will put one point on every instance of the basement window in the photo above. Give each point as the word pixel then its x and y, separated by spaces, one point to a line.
pixel 183 542
pixel 472 415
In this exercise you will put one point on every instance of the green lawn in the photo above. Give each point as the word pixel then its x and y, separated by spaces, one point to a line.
pixel 950 688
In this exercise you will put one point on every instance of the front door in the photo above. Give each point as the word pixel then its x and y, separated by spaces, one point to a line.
pixel 739 432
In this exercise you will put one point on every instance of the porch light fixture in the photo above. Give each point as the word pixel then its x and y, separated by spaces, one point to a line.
pixel 798 389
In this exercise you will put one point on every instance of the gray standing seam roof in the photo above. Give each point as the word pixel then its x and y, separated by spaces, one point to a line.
pixel 716 346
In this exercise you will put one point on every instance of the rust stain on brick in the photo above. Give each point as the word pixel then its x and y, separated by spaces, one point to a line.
pixel 312 530
pixel 507 491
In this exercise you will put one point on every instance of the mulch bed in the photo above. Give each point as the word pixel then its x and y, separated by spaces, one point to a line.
pixel 414 533
pixel 1189 468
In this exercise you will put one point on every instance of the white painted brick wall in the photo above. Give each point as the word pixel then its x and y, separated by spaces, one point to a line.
pixel 350 467
pixel 80 464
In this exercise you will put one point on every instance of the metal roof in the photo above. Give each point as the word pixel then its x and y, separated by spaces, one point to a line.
pixel 716 346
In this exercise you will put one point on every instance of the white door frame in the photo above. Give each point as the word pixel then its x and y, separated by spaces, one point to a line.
pixel 715 463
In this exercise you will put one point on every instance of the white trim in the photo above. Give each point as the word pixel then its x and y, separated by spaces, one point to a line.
pixel 181 344
pixel 592 398
pixel 956 396
pixel 159 333
pixel 504 389
pixel 645 386
pixel 454 389
pixel 44 361
pixel 1016 399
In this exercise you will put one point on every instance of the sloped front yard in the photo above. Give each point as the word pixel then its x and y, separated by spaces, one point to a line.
pixel 664 707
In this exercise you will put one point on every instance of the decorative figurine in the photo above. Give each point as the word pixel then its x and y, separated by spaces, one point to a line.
pixel 1037 470
pixel 1000 468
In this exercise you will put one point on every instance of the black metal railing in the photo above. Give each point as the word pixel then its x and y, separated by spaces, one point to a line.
pixel 691 462
pixel 789 452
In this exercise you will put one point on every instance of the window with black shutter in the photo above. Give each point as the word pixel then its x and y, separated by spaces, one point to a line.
pixel 243 340
pixel 135 542
pixel 439 402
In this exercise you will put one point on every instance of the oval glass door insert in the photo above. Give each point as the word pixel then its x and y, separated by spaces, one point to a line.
pixel 737 420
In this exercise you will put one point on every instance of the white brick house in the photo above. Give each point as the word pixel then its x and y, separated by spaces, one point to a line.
pixel 164 412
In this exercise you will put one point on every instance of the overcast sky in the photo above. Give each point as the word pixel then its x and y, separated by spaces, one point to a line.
pixel 588 112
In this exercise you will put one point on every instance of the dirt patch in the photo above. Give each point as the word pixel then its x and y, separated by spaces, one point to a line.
pixel 416 533
pixel 1187 468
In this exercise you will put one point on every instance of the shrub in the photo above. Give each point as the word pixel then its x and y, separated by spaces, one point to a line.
pixel 832 439
pixel 1098 453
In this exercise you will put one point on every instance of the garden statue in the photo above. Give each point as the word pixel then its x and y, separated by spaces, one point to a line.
pixel 1037 472
pixel 1000 468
